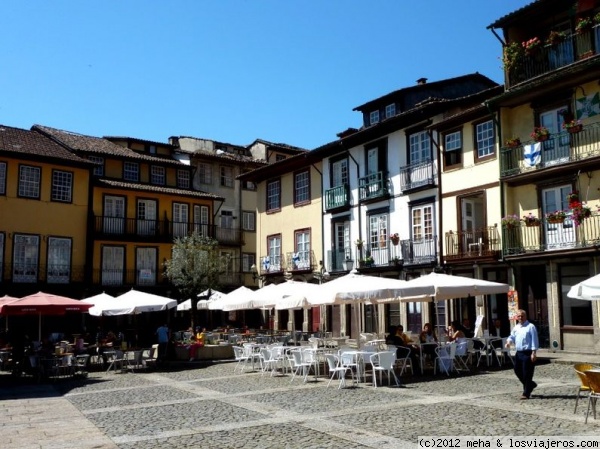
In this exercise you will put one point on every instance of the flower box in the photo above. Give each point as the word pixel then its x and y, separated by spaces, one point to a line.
pixel 575 129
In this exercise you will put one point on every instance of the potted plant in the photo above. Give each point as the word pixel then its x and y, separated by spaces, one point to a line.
pixel 395 238
pixel 573 126
pixel 583 24
pixel 512 55
pixel 395 261
pixel 513 142
pixel 556 37
pixel 557 216
pixel 510 221
pixel 531 220
pixel 369 261
pixel 532 46
pixel 348 264
pixel 580 213
pixel 540 133
pixel 573 199
pixel 359 243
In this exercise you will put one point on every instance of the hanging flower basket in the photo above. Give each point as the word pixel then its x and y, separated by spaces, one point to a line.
pixel 540 134
pixel 395 238
pixel 556 217
pixel 531 220
pixel 513 143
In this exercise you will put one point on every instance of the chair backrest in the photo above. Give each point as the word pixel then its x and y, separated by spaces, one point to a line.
pixel 266 353
pixel 348 358
pixel 238 352
pixel 332 361
pixel 402 352
pixel 448 350
pixel 593 378
pixel 309 356
pixel 583 367
pixel 384 359
pixel 366 337
pixel 462 345
pixel 297 357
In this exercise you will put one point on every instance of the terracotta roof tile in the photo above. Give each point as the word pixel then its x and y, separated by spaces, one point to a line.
pixel 25 142
pixel 99 145
pixel 156 189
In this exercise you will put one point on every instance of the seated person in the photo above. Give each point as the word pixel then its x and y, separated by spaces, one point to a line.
pixel 455 331
pixel 427 334
pixel 468 330
pixel 197 342
pixel 398 338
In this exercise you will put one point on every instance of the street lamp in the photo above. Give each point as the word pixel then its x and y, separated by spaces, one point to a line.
pixel 321 275
pixel 255 275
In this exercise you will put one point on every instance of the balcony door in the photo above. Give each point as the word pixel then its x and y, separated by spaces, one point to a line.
pixel 114 214
pixel 339 179
pixel 145 264
pixel 422 244
pixel 558 235
pixel 146 217
pixel 201 220
pixel 555 149
pixel 26 250
pixel 180 219
pixel 420 154
pixel 113 265
pixel 342 249
pixel 472 223
pixel 379 238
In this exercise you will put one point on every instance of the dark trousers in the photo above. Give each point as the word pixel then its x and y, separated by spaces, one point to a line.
pixel 524 369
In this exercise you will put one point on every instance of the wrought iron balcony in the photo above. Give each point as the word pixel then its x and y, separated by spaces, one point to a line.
pixel 373 186
pixel 337 197
pixel 121 277
pixel 475 244
pixel 560 148
pixel 340 260
pixel 419 251
pixel 407 252
pixel 32 273
pixel 417 176
pixel 551 57
pixel 133 229
pixel 300 261
pixel 548 236
pixel 274 264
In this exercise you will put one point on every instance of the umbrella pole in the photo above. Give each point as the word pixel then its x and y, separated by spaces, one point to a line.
pixel 40 327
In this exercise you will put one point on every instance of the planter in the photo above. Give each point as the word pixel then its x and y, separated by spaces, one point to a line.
pixel 532 223
pixel 556 220
pixel 513 144
pixel 542 138
pixel 575 129
pixel 395 242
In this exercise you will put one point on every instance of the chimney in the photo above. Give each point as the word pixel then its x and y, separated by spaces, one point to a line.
pixel 422 81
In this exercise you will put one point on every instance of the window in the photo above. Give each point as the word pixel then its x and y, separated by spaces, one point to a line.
pixel 301 257
pixel 484 135
pixel 273 196
pixel 302 187
pixel 2 178
pixel 421 248
pixel 227 219
pixel 452 149
pixel 378 238
pixel 131 171
pixel 422 222
pixel 99 169
pixel 420 147
pixel 279 157
pixel 248 221
pixel 339 173
pixel 59 260
pixel 201 219
pixel 205 173
pixel 248 259
pixel 390 110
pixel 226 258
pixel 157 175
pixel 113 264
pixel 25 258
pixel 183 179
pixel 145 266
pixel 62 186
pixel 29 181
pixel 272 262
pixel 248 185
pixel 151 149
pixel 114 214
pixel 374 117
pixel 146 217
pixel 226 176
pixel 180 219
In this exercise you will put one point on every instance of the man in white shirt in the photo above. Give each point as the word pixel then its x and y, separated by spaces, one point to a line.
pixel 524 336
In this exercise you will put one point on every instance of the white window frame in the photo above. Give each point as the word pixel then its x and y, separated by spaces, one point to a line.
pixel 146 216
pixel 248 221
pixel 183 179
pixel 390 110
pixel 59 260
pixel 272 263
pixel 62 186
pixel 114 214
pixel 302 187
pixel 113 265
pixel 374 117
pixel 485 139
pixel 157 175
pixel 422 222
pixel 248 259
pixel 26 250
pixel 301 257
pixel 181 214
pixel 204 173
pixel 273 195
pixel 145 265
pixel 226 177
pixel 29 181
pixel 453 141
pixel 420 147
pixel 201 219
pixel 99 169
pixel 3 178
pixel 131 171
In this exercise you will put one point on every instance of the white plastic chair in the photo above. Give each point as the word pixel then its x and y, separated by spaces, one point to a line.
pixel 462 354
pixel 336 368
pixel 240 357
pixel 299 365
pixel 383 362
pixel 445 358
pixel 403 360
pixel 351 361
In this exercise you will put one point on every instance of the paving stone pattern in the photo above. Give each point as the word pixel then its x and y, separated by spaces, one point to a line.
pixel 210 406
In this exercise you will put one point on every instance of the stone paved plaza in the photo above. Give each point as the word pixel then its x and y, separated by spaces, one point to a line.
pixel 197 405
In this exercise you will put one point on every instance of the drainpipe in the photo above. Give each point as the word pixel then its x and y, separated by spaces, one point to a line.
pixel 439 195
pixel 359 212
pixel 322 214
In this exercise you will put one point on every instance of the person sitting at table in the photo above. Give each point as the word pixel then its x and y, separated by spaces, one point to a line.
pixel 427 334
pixel 197 342
pixel 455 331
pixel 398 338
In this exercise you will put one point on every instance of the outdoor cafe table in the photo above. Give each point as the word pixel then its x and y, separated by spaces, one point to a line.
pixel 487 341
pixel 361 358
pixel 420 345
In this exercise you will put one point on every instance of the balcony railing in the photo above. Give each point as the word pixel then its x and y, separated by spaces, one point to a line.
pixel 119 277
pixel 161 230
pixel 407 252
pixel 340 260
pixel 549 58
pixel 337 197
pixel 419 251
pixel 522 239
pixel 300 261
pixel 31 273
pixel 417 176
pixel 559 149
pixel 477 243
pixel 272 264
pixel 373 186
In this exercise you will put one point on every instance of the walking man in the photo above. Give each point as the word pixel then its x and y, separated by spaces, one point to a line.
pixel 163 342
pixel 524 336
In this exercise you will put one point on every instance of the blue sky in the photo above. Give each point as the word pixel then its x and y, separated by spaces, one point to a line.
pixel 231 70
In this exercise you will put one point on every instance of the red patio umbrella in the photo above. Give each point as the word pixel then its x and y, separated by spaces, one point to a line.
pixel 42 304
pixel 5 300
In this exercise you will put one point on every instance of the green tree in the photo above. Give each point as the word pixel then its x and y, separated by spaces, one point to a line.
pixel 195 266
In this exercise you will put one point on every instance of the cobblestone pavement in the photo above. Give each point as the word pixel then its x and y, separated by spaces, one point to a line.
pixel 210 406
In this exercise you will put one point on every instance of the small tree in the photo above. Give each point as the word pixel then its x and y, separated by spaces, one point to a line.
pixel 194 267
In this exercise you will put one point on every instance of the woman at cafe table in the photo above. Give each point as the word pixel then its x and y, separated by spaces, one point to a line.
pixel 455 331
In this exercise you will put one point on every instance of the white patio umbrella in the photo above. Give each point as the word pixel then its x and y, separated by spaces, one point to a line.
pixel 239 299
pixel 134 302
pixel 588 290
pixel 202 303
pixel 274 295
pixel 99 301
